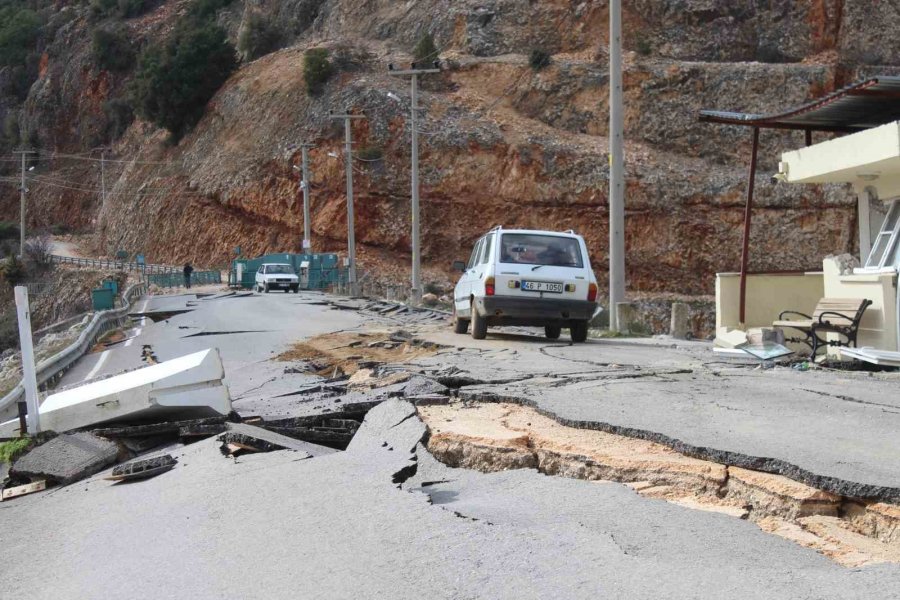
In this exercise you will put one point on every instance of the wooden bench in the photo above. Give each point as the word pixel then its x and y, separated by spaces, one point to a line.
pixel 832 315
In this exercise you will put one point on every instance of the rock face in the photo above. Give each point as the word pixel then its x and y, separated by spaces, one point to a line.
pixel 501 144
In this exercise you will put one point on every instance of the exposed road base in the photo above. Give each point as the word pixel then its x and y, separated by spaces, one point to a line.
pixel 493 437
pixel 771 465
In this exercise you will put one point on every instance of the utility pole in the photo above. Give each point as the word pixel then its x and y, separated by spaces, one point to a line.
pixel 102 176
pixel 616 166
pixel 304 185
pixel 414 73
pixel 22 191
pixel 351 233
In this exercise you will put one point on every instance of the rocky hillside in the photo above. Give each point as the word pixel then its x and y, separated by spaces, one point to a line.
pixel 503 142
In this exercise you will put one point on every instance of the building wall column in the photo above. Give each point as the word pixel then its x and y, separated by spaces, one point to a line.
pixel 863 218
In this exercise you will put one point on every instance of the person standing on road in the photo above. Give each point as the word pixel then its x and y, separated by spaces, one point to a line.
pixel 188 269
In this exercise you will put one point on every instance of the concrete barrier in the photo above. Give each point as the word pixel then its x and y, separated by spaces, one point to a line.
pixel 51 369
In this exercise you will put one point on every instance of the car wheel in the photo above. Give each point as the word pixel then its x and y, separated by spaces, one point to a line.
pixel 578 331
pixel 459 325
pixel 266 288
pixel 479 325
pixel 551 332
pixel 295 289
pixel 287 290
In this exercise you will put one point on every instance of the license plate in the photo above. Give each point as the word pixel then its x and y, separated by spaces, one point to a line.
pixel 542 286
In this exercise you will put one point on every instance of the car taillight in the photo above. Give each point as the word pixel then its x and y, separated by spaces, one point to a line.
pixel 592 292
pixel 489 286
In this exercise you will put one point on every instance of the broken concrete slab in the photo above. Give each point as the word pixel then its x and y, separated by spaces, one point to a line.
pixel 184 387
pixel 149 429
pixel 423 386
pixel 67 458
pixel 429 400
pixel 277 439
pixel 142 444
pixel 200 430
pixel 394 415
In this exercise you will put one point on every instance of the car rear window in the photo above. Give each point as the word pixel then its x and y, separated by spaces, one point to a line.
pixel 537 249
pixel 281 269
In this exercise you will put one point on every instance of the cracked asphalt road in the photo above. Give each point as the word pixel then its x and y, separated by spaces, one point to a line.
pixel 832 430
pixel 278 525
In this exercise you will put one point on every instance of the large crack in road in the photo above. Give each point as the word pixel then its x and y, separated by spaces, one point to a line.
pixel 497 437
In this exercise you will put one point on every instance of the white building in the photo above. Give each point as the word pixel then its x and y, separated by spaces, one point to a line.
pixel 868 158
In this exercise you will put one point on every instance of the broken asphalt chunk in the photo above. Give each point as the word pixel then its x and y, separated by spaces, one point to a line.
pixel 422 386
pixel 157 428
pixel 67 458
pixel 266 440
pixel 143 469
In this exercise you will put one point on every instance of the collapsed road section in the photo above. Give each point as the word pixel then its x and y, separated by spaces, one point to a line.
pixel 439 465
pixel 494 437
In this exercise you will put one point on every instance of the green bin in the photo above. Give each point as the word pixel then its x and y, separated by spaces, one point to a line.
pixel 113 285
pixel 103 298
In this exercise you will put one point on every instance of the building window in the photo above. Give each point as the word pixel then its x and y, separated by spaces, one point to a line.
pixel 886 247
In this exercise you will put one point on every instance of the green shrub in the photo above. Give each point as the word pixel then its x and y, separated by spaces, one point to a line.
pixel 347 58
pixel 11 450
pixel 39 253
pixel 133 8
pixel 425 50
pixel 643 46
pixel 112 50
pixel 19 32
pixel 9 332
pixel 370 153
pixel 119 116
pixel 19 78
pixel 317 69
pixel 13 271
pixel 123 9
pixel 11 129
pixel 9 230
pixel 100 9
pixel 539 59
pixel 175 80
pixel 201 10
pixel 259 37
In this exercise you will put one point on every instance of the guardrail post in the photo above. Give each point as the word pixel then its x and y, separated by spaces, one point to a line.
pixel 29 375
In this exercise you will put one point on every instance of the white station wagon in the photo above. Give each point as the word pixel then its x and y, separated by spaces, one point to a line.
pixel 526 277
pixel 276 276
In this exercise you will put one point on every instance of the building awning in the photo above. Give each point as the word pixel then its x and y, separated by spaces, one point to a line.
pixel 862 105
pixel 864 158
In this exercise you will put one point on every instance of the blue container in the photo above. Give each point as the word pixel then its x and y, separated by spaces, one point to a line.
pixel 113 285
pixel 103 299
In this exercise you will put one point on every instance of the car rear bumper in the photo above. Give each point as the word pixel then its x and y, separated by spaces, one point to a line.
pixel 508 310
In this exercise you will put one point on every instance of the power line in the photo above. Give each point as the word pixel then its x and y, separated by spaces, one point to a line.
pixel 84 190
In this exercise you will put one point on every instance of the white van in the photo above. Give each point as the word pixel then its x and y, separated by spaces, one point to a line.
pixel 526 277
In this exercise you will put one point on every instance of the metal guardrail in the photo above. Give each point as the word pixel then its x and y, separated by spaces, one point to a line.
pixel 50 369
pixel 172 280
pixel 109 263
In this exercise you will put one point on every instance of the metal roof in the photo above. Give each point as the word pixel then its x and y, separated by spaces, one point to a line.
pixel 862 105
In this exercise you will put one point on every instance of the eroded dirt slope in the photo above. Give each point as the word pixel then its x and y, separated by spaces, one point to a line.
pixel 501 143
